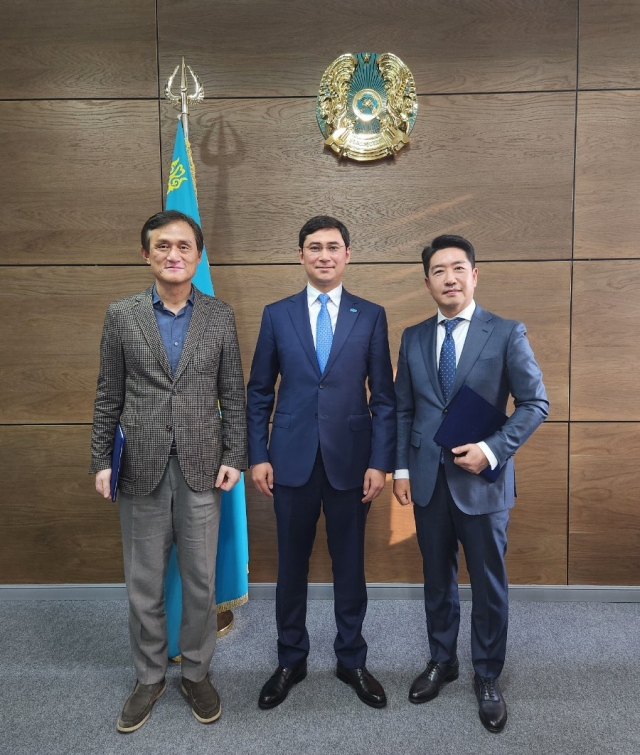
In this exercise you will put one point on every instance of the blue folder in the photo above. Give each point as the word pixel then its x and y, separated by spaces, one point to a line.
pixel 470 418
pixel 116 458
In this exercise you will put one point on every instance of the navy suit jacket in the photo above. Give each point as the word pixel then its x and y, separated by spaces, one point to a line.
pixel 496 361
pixel 331 409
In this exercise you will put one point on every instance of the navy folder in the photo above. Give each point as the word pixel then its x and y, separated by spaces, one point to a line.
pixel 470 419
pixel 116 458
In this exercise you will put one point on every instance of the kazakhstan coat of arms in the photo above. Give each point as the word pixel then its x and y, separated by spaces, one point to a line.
pixel 366 105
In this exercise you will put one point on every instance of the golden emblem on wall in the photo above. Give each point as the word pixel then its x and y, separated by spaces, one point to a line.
pixel 366 105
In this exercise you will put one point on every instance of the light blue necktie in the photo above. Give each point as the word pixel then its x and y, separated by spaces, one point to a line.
pixel 324 333
pixel 447 366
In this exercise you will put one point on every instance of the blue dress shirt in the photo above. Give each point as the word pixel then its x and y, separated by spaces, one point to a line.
pixel 173 328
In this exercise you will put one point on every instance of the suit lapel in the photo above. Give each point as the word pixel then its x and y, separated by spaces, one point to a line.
pixel 146 319
pixel 348 313
pixel 428 346
pixel 197 325
pixel 299 313
pixel 479 331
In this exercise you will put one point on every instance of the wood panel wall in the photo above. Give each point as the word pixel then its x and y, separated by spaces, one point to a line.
pixel 526 142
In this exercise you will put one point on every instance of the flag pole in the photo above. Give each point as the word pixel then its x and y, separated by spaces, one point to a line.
pixel 182 101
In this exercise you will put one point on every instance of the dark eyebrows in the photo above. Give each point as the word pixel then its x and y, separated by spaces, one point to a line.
pixel 456 263
pixel 181 242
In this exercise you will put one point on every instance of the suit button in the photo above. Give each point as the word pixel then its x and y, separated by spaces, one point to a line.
pixel 321 385
pixel 444 411
pixel 169 427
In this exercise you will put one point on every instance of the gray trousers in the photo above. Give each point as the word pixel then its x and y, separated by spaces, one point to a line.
pixel 150 524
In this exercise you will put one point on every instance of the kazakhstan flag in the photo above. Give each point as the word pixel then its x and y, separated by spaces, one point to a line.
pixel 232 581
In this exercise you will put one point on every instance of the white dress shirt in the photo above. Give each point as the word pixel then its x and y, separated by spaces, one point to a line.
pixel 459 337
pixel 333 306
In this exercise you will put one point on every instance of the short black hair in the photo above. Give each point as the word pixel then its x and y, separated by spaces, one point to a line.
pixel 444 242
pixel 160 219
pixel 319 222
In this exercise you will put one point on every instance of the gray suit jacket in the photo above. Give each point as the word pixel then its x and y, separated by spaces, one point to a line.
pixel 137 388
pixel 496 361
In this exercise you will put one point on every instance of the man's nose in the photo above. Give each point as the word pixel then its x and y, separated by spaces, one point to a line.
pixel 174 253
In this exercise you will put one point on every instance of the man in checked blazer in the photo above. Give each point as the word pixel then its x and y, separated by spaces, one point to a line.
pixel 168 355
pixel 330 445
pixel 463 345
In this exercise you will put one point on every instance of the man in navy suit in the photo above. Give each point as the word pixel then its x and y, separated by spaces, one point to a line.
pixel 330 446
pixel 463 344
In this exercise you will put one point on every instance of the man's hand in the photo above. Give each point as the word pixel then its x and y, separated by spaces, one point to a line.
pixel 373 484
pixel 262 476
pixel 103 483
pixel 402 491
pixel 470 457
pixel 227 477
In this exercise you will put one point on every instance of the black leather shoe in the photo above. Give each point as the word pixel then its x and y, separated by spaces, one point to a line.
pixel 493 709
pixel 277 686
pixel 367 687
pixel 427 685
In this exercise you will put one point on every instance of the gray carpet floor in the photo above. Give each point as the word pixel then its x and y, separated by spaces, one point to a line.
pixel 572 685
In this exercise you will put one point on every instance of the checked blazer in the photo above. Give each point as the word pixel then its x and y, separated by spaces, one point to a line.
pixel 136 387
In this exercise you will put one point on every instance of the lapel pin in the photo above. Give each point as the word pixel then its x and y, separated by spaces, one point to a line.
pixel 353 309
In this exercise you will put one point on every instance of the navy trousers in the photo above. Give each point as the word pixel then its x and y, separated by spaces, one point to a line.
pixel 297 512
pixel 440 526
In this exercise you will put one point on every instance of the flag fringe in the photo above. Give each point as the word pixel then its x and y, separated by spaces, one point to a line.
pixel 192 166
pixel 230 604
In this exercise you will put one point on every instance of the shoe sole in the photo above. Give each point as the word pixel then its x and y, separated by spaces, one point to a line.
pixel 210 720
pixel 433 697
pixel 370 703
pixel 128 729
pixel 268 706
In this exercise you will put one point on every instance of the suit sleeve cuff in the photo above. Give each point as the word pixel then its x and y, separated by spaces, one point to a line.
pixel 493 462
pixel 401 474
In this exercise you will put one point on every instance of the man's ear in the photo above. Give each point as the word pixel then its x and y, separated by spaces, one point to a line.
pixel 145 255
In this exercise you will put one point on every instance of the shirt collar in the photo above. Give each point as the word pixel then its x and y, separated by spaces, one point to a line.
pixel 335 294
pixel 466 313
pixel 155 299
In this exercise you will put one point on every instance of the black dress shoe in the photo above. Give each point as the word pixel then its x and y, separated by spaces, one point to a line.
pixel 277 686
pixel 367 687
pixel 493 709
pixel 427 685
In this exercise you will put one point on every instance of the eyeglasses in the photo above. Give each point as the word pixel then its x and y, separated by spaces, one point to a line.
pixel 317 248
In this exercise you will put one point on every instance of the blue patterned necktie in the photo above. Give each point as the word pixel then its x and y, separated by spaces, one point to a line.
pixel 324 333
pixel 447 366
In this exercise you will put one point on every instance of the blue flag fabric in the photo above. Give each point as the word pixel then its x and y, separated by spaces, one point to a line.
pixel 232 581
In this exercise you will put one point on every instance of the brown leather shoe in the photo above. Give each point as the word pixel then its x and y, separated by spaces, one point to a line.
pixel 203 698
pixel 137 708
pixel 492 707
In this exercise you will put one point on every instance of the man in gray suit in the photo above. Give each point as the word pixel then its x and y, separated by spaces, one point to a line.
pixel 463 345
pixel 168 355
